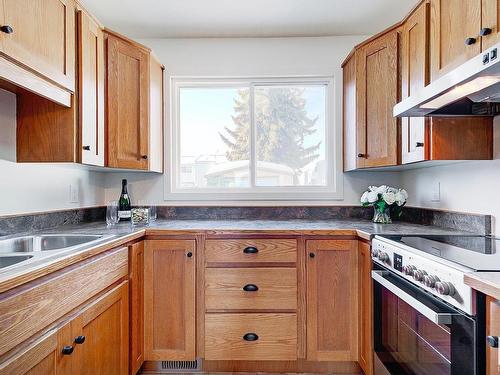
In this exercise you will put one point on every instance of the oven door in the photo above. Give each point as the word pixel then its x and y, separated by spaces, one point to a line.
pixel 416 333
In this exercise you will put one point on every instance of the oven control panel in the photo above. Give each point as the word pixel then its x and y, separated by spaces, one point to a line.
pixel 440 279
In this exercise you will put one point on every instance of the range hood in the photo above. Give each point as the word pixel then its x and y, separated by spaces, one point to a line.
pixel 472 89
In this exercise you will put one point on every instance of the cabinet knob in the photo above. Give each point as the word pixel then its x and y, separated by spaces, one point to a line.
pixel 250 288
pixel 492 341
pixel 86 148
pixel 485 31
pixel 250 250
pixel 250 337
pixel 79 339
pixel 189 255
pixel 312 255
pixel 419 144
pixel 6 29
pixel 67 350
pixel 361 155
pixel 470 41
pixel 145 157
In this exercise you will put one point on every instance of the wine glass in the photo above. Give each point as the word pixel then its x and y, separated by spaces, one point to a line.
pixel 112 213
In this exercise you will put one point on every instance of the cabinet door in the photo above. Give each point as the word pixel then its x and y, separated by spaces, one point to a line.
pixel 156 116
pixel 136 264
pixel 44 356
pixel 349 115
pixel 43 37
pixel 91 89
pixel 452 23
pixel 169 300
pixel 103 325
pixel 127 104
pixel 493 332
pixel 414 76
pixel 365 307
pixel 490 16
pixel 332 312
pixel 376 81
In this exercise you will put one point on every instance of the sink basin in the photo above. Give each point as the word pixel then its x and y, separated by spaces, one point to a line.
pixel 20 249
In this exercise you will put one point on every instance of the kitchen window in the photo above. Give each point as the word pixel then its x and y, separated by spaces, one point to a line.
pixel 253 139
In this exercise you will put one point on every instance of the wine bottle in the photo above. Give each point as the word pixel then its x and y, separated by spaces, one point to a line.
pixel 124 209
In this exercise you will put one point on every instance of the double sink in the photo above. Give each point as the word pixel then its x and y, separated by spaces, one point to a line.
pixel 19 250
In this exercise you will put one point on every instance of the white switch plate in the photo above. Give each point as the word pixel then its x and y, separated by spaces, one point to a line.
pixel 74 193
pixel 436 192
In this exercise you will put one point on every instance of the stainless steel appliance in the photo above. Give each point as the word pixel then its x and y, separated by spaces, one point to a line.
pixel 427 320
pixel 471 89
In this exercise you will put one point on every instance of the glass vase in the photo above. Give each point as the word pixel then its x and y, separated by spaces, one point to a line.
pixel 382 216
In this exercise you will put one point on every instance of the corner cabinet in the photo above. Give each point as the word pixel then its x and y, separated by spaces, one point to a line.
pixel 493 336
pixel 371 76
pixel 332 307
pixel 169 300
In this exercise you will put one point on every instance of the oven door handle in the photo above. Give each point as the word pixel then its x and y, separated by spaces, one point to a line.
pixel 433 316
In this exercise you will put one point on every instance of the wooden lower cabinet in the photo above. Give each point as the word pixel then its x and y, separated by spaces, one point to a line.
pixel 365 309
pixel 493 332
pixel 169 300
pixel 332 308
pixel 136 280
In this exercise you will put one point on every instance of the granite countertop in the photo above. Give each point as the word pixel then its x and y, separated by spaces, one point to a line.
pixel 486 282
pixel 123 233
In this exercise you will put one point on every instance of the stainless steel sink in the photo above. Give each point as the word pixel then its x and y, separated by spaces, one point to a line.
pixel 20 249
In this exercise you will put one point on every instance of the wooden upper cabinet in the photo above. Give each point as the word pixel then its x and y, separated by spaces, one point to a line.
pixel 127 106
pixel 169 300
pixel 103 326
pixel 42 37
pixel 452 23
pixel 332 309
pixel 414 76
pixel 490 16
pixel 156 115
pixel 91 89
pixel 349 114
pixel 376 95
pixel 365 309
pixel 493 331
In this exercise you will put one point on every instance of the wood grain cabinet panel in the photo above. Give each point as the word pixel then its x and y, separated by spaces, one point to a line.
pixel 105 326
pixel 169 300
pixel 452 22
pixel 351 136
pixel 251 337
pixel 493 330
pixel 43 37
pixel 365 309
pixel 332 307
pixel 91 90
pixel 490 18
pixel 251 288
pixel 136 285
pixel 376 95
pixel 127 104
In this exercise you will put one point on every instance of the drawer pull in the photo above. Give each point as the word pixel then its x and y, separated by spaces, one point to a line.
pixel 250 250
pixel 250 288
pixel 79 339
pixel 250 337
pixel 67 350
pixel 492 341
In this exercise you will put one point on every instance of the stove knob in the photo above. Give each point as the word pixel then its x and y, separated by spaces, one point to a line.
pixel 383 257
pixel 409 269
pixel 430 280
pixel 445 288
pixel 375 253
pixel 418 275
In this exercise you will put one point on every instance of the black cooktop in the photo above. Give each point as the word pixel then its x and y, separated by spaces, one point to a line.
pixel 480 253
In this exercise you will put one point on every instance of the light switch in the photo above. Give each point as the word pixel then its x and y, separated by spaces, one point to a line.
pixel 74 193
pixel 436 192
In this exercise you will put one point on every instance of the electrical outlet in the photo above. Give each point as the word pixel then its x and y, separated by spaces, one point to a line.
pixel 436 192
pixel 74 193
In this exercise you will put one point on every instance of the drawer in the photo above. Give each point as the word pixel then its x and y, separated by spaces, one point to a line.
pixel 234 288
pixel 251 337
pixel 251 251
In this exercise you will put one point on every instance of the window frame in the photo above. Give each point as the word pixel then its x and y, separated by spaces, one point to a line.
pixel 333 190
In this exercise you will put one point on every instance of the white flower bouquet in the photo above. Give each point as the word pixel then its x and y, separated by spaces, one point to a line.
pixel 384 199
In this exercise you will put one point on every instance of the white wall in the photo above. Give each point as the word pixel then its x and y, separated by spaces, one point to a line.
pixel 38 187
pixel 251 57
pixel 468 187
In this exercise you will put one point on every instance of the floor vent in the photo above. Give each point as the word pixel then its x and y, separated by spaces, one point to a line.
pixel 180 365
